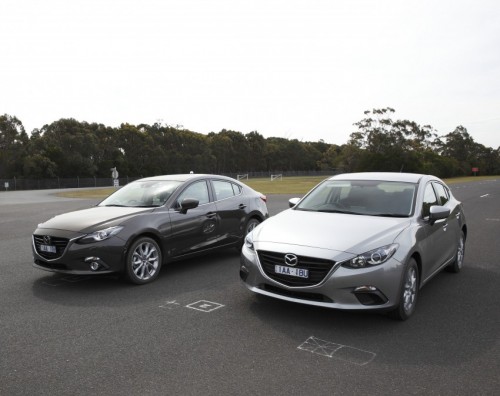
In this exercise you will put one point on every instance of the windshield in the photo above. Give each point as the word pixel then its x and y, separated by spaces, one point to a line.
pixel 361 197
pixel 142 194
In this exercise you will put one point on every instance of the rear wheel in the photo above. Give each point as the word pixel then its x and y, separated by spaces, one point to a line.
pixel 458 263
pixel 251 224
pixel 409 292
pixel 143 261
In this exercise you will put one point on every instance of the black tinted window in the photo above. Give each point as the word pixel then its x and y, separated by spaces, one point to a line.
pixel 223 189
pixel 430 199
pixel 197 191
pixel 442 192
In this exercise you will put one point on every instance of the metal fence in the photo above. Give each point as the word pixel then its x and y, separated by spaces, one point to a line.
pixel 15 184
pixel 59 183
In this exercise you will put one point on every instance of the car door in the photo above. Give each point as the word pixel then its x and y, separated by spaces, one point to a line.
pixel 232 209
pixel 195 230
pixel 436 236
pixel 452 224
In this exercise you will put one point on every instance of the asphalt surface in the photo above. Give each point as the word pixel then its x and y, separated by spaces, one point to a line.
pixel 198 331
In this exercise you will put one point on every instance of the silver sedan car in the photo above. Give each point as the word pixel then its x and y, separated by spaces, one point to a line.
pixel 358 241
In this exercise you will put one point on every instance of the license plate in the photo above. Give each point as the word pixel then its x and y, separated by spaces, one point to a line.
pixel 48 248
pixel 298 272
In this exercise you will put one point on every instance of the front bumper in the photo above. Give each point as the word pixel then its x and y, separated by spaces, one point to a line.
pixel 78 259
pixel 374 288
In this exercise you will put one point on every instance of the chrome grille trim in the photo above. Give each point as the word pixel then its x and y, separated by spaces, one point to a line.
pixel 318 268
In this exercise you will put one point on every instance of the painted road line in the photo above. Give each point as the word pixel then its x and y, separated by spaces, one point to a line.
pixel 204 306
pixel 337 351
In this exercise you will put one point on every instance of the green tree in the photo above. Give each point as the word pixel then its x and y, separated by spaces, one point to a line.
pixel 13 146
pixel 70 145
pixel 256 152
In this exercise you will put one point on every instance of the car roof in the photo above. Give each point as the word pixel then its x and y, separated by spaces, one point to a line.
pixel 183 177
pixel 383 176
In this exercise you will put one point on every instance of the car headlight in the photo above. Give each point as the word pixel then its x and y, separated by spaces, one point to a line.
pixel 100 235
pixel 249 242
pixel 373 257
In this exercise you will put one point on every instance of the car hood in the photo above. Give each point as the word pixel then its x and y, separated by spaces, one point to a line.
pixel 83 220
pixel 354 234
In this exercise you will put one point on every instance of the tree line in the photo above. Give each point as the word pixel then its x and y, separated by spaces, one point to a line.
pixel 69 148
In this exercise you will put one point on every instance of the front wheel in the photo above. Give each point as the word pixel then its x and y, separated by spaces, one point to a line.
pixel 143 261
pixel 409 292
pixel 458 263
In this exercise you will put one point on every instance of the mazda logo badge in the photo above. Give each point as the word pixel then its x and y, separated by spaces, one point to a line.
pixel 291 260
pixel 47 240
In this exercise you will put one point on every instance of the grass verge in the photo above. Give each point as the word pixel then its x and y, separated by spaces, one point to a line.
pixel 289 185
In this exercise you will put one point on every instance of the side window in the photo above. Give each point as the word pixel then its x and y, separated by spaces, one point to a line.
pixel 197 191
pixel 237 189
pixel 442 192
pixel 430 199
pixel 223 189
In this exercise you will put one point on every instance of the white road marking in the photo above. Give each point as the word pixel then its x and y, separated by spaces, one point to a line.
pixel 204 306
pixel 337 351
pixel 485 195
pixel 170 305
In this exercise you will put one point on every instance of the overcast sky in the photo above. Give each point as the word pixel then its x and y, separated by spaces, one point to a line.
pixel 298 69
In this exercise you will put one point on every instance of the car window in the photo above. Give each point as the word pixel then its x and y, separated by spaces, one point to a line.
pixel 326 193
pixel 142 193
pixel 223 189
pixel 361 197
pixel 442 192
pixel 236 188
pixel 429 200
pixel 197 190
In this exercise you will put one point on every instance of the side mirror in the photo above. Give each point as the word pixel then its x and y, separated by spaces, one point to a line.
pixel 188 203
pixel 293 201
pixel 438 213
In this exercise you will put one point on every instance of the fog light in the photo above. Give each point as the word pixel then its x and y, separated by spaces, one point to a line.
pixel 369 295
pixel 94 263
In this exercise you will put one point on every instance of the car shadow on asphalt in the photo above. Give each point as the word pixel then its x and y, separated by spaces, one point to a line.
pixel 457 319
pixel 179 277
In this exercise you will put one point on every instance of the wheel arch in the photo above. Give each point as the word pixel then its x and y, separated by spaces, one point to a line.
pixel 147 234
pixel 416 256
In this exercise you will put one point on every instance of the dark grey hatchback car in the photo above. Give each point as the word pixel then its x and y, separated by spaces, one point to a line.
pixel 148 223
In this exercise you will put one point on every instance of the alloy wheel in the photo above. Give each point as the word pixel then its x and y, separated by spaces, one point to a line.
pixel 145 261
pixel 410 290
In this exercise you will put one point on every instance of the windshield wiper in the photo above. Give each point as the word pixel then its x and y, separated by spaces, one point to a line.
pixel 388 215
pixel 116 206
pixel 338 211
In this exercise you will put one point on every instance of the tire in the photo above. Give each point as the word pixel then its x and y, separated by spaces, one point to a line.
pixel 251 224
pixel 458 263
pixel 409 292
pixel 143 261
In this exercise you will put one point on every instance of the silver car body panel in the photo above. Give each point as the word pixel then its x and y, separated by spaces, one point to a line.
pixel 341 237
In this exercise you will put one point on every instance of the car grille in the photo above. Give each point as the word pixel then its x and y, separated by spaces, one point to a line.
pixel 318 268
pixel 59 243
